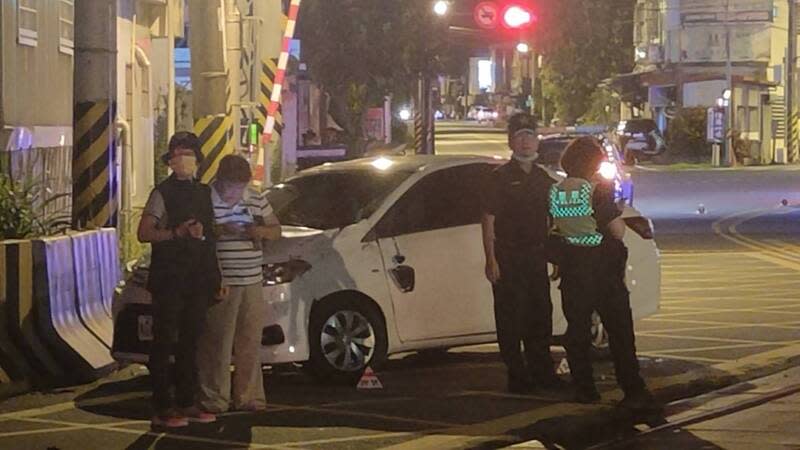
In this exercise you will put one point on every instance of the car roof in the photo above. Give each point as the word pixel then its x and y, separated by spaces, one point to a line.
pixel 408 163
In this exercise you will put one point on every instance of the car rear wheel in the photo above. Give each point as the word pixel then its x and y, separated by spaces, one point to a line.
pixel 346 335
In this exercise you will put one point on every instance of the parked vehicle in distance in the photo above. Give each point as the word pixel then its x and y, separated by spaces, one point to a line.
pixel 482 113
pixel 639 139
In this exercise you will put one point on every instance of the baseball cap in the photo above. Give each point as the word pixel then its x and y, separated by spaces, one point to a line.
pixel 521 122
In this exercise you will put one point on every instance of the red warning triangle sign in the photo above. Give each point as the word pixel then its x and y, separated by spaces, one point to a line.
pixel 369 380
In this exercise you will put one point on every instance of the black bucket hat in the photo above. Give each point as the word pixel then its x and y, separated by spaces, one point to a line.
pixel 183 139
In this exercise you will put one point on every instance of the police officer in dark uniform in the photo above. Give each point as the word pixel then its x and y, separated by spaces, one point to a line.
pixel 515 228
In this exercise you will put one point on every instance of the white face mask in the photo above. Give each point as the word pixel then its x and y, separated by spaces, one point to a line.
pixel 525 159
pixel 184 166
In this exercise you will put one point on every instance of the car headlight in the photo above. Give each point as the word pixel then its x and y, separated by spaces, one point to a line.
pixel 608 170
pixel 495 114
pixel 284 272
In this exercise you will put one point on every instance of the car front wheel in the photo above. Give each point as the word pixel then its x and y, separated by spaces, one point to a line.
pixel 346 335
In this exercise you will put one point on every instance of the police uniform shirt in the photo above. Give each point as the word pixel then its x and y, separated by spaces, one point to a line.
pixel 519 201
pixel 605 208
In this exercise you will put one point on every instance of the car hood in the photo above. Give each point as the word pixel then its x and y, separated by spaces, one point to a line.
pixel 297 243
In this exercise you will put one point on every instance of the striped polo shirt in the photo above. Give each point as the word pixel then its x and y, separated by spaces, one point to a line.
pixel 240 258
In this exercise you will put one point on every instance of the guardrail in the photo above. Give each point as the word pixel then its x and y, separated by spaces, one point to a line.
pixel 55 309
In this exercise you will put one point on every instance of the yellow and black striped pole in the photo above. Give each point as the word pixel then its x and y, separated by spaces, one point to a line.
pixel 216 142
pixel 95 181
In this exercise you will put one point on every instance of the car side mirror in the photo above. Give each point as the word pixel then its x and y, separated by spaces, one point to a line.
pixel 403 277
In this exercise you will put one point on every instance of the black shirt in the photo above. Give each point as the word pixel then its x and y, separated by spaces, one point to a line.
pixel 181 261
pixel 519 202
pixel 605 208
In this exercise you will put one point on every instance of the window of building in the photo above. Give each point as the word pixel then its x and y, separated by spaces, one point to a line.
pixel 28 22
pixel 66 26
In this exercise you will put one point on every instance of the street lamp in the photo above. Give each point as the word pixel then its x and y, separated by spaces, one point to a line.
pixel 441 7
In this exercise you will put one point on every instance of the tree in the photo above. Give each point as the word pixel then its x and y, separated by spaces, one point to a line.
pixel 361 50
pixel 583 42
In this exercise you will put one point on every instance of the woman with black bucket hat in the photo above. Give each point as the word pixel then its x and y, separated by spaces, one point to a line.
pixel 184 278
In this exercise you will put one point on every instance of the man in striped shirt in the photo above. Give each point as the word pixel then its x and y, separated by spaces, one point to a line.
pixel 243 220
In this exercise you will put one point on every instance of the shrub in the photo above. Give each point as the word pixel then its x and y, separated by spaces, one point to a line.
pixel 23 209
pixel 686 134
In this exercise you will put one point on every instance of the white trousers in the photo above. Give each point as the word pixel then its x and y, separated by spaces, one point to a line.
pixel 233 333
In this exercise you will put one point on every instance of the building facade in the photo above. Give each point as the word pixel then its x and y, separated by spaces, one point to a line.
pixel 682 62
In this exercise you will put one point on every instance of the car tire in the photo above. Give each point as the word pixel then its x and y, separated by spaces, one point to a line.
pixel 600 348
pixel 346 335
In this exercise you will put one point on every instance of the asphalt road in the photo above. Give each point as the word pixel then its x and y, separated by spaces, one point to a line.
pixel 729 310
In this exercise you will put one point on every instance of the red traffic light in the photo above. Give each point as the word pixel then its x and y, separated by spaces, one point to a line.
pixel 517 16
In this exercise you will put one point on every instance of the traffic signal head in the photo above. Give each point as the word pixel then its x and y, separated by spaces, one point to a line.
pixel 517 16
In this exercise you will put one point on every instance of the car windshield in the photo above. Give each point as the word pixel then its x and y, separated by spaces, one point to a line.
pixel 332 199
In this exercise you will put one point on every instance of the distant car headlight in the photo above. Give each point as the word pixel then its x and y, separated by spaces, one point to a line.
pixel 495 115
pixel 608 170
pixel 284 272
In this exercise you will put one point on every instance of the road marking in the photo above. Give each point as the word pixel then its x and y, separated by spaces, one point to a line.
pixel 724 310
pixel 462 436
pixel 719 347
pixel 351 438
pixel 711 339
pixel 682 357
pixel 432 423
pixel 66 406
pixel 179 437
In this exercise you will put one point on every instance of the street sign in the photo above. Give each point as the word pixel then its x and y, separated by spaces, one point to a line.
pixel 733 16
pixel 715 129
pixel 487 15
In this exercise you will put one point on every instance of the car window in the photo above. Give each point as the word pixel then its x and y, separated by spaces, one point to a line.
pixel 550 151
pixel 332 200
pixel 640 126
pixel 444 199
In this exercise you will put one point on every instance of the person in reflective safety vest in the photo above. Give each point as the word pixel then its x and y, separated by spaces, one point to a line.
pixel 592 260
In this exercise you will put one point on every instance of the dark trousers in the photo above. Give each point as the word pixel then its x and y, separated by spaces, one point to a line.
pixel 593 279
pixel 523 313
pixel 178 314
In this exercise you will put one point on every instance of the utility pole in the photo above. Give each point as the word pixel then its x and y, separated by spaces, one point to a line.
pixel 233 54
pixel 730 157
pixel 791 61
pixel 94 162
pixel 171 66
pixel 209 77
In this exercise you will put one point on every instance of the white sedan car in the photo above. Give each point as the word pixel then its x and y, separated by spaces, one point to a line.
pixel 384 255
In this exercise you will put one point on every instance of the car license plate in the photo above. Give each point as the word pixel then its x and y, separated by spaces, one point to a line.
pixel 145 328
